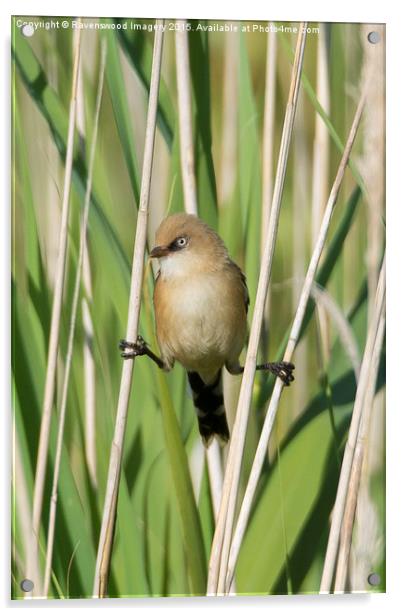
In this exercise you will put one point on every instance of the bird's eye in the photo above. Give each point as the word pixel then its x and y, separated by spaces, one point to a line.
pixel 181 242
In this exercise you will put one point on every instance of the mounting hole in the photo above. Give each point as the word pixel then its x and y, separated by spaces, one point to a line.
pixel 373 37
pixel 374 579
pixel 27 585
pixel 28 30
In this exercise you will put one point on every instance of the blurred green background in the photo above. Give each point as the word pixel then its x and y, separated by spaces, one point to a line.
pixel 285 543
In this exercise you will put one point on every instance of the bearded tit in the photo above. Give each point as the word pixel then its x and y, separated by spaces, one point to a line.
pixel 201 302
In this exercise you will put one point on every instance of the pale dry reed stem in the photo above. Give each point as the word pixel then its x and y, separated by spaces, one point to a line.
pixel 112 488
pixel 229 118
pixel 268 134
pixel 89 373
pixel 54 169
pixel 341 494
pixel 359 454
pixel 71 334
pixel 89 362
pixel 268 142
pixel 373 156
pixel 223 531
pixel 321 136
pixel 215 472
pixel 300 252
pixel 185 123
pixel 260 454
pixel 210 459
pixel 324 300
pixel 321 162
pixel 50 380
pixel 196 464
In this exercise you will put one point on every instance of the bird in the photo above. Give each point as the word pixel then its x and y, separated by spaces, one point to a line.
pixel 201 302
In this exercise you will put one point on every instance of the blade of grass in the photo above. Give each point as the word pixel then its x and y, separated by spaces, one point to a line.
pixel 291 345
pixel 283 523
pixel 21 178
pixel 309 466
pixel 56 310
pixel 323 379
pixel 223 531
pixel 117 91
pixel 109 512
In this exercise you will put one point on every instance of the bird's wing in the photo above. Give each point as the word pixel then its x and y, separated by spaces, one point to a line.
pixel 246 295
pixel 244 284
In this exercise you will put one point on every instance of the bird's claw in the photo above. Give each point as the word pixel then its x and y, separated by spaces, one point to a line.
pixel 284 370
pixel 132 349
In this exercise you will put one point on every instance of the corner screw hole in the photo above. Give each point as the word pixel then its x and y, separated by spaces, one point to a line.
pixel 27 30
pixel 374 579
pixel 373 37
pixel 27 585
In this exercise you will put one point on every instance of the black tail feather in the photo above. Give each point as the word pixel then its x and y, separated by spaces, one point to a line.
pixel 208 401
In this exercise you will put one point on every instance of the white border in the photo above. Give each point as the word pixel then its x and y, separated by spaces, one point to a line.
pixel 342 10
pixel 388 11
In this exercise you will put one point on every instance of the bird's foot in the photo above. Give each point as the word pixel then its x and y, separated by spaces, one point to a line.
pixel 133 349
pixel 283 369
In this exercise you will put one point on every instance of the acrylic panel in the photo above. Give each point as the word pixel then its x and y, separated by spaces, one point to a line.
pixel 179 473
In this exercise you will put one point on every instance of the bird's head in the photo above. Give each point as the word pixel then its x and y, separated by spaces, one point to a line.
pixel 185 245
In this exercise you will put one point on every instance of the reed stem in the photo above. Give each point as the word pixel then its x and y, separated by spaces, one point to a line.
pixel 229 119
pixel 223 531
pixel 105 545
pixel 185 123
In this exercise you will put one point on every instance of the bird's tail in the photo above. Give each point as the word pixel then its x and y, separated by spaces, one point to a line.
pixel 208 402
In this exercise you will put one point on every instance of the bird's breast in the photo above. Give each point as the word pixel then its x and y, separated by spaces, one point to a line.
pixel 200 321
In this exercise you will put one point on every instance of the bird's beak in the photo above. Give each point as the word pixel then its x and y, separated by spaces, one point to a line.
pixel 158 251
